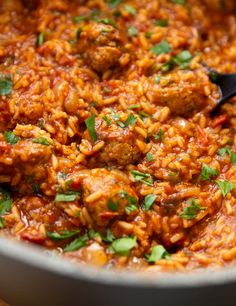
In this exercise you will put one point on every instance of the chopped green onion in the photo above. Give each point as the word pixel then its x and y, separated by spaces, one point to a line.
pixel 93 235
pixel 90 123
pixel 182 2
pixel 130 120
pixel 113 206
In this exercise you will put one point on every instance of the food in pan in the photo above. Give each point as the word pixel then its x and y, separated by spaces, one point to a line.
pixel 109 152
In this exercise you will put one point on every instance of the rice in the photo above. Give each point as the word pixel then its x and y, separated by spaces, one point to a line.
pixel 106 136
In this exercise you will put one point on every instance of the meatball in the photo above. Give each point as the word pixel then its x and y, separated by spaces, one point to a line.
pixel 120 143
pixel 184 92
pixel 106 195
pixel 100 46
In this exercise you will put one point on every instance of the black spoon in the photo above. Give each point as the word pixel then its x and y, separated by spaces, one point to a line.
pixel 226 83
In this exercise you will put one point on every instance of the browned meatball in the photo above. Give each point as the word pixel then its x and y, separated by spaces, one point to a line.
pixel 25 157
pixel 99 44
pixel 120 143
pixel 184 92
pixel 106 195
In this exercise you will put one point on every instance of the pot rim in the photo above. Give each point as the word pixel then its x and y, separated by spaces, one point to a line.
pixel 32 256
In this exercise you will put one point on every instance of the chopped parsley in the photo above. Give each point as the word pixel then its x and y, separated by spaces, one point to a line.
pixel 225 186
pixel 107 120
pixel 5 204
pixel 190 212
pixel 183 59
pixel 208 172
pixel 142 177
pixel 231 154
pixel 90 123
pixel 133 106
pixel 157 79
pixel 159 135
pixel 109 237
pixel 42 141
pixel 66 197
pixel 157 252
pixel 76 244
pixel 107 21
pixel 94 235
pixel 114 3
pixel 130 120
pixel 79 19
pixel 149 157
pixel 182 2
pixel 64 234
pixel 149 201
pixel 113 206
pixel 123 246
pixel 161 48
pixel 40 39
pixel 132 31
pixel 5 85
pixel 78 32
pixel 130 9
pixel 161 23
pixel 11 138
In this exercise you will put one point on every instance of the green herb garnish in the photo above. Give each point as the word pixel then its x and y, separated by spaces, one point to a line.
pixel 93 234
pixel 145 178
pixel 42 141
pixel 130 9
pixel 232 155
pixel 182 2
pixel 149 157
pixel 40 39
pixel 66 197
pixel 11 138
pixel 157 252
pixel 130 120
pixel 161 48
pixel 161 23
pixel 133 106
pixel 79 19
pixel 132 31
pixel 109 237
pixel 183 59
pixel 225 186
pixel 64 234
pixel 107 120
pixel 90 123
pixel 76 244
pixel 123 246
pixel 149 201
pixel 6 85
pixel 113 206
pixel 114 3
pixel 190 212
pixel 159 135
pixel 208 172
